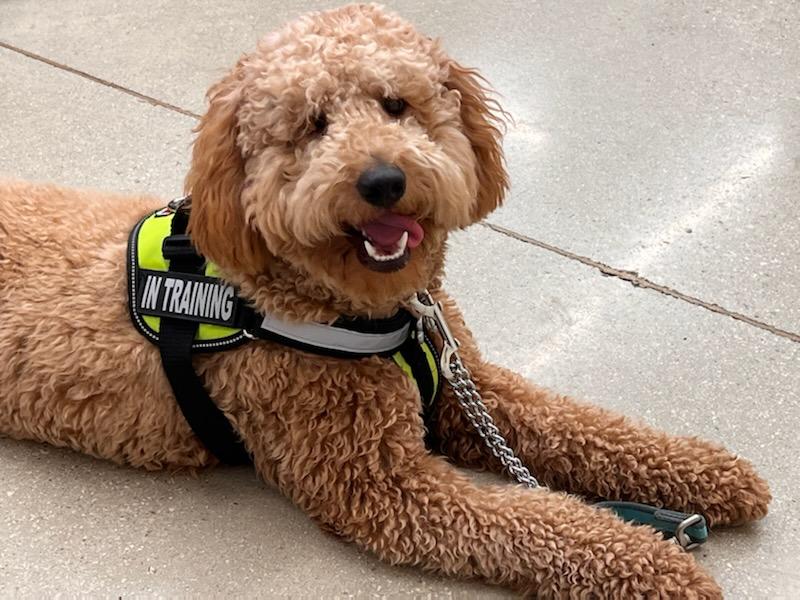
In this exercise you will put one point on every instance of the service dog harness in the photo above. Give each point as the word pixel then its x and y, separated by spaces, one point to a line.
pixel 179 302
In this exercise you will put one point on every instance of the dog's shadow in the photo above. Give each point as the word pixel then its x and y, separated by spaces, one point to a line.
pixel 76 524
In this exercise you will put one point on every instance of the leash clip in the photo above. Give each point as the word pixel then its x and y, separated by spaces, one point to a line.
pixel 687 530
pixel 430 313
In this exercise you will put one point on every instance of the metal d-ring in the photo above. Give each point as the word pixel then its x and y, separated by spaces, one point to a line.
pixel 681 537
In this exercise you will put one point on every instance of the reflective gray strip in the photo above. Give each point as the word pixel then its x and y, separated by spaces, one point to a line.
pixel 336 338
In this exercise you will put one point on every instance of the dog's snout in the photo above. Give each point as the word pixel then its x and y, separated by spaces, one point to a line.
pixel 382 185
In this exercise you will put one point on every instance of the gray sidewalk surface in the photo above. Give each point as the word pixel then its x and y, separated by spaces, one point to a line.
pixel 646 260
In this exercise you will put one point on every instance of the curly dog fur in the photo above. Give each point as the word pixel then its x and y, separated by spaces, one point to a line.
pixel 274 195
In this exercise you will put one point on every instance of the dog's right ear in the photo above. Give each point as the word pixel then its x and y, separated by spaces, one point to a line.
pixel 217 221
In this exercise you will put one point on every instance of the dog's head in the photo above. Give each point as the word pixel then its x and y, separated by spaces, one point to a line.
pixel 346 146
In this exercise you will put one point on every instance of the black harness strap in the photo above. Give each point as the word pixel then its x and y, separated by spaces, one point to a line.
pixel 415 357
pixel 205 418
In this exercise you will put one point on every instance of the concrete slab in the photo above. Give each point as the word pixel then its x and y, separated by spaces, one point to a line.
pixel 660 139
pixel 58 127
pixel 79 526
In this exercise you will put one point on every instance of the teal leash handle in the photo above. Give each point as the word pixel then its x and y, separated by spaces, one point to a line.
pixel 687 529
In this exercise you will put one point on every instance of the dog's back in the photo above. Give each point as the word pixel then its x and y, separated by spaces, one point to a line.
pixel 16 200
pixel 72 372
pixel 47 232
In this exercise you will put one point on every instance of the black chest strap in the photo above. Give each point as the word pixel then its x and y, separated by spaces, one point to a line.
pixel 205 418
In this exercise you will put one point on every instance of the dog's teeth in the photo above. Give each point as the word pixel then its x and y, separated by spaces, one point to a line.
pixel 401 245
pixel 403 242
pixel 371 250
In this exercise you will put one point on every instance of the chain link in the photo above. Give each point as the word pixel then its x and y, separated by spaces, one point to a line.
pixel 478 416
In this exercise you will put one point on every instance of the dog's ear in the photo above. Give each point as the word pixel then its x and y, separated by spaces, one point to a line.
pixel 217 220
pixel 484 121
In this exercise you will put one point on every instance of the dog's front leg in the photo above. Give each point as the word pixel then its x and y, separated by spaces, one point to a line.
pixel 588 450
pixel 389 496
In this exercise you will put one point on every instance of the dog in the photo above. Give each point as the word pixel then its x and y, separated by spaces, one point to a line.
pixel 327 172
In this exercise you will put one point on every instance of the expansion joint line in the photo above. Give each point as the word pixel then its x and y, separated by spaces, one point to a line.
pixel 105 82
pixel 637 280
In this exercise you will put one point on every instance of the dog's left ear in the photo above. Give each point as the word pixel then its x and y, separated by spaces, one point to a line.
pixel 484 122
pixel 217 220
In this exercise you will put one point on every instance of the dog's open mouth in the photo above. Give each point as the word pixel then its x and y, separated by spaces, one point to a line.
pixel 384 244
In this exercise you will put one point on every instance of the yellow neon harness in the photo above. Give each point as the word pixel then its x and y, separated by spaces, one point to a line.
pixel 180 302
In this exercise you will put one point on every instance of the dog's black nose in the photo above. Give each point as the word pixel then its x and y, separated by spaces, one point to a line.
pixel 382 185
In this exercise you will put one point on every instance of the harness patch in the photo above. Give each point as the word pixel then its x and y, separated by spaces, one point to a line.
pixel 155 292
pixel 186 296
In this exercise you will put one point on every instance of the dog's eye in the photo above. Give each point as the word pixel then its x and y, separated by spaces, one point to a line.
pixel 320 123
pixel 394 106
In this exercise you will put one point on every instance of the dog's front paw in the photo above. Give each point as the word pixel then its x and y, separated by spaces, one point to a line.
pixel 738 495
pixel 637 564
pixel 696 475
pixel 678 576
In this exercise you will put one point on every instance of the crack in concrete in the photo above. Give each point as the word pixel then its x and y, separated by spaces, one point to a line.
pixel 637 280
pixel 631 277
pixel 105 82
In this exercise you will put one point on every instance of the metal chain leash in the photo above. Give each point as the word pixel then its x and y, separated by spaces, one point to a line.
pixel 478 415
pixel 470 400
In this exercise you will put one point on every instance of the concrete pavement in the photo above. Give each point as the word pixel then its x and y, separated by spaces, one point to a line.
pixel 656 145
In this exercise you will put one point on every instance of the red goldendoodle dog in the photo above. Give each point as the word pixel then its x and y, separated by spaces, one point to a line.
pixel 329 168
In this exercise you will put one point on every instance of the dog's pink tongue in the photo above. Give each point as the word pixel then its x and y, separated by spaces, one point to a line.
pixel 386 230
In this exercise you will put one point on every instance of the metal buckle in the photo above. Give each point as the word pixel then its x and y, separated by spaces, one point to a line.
pixel 681 537
pixel 430 312
pixel 177 203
